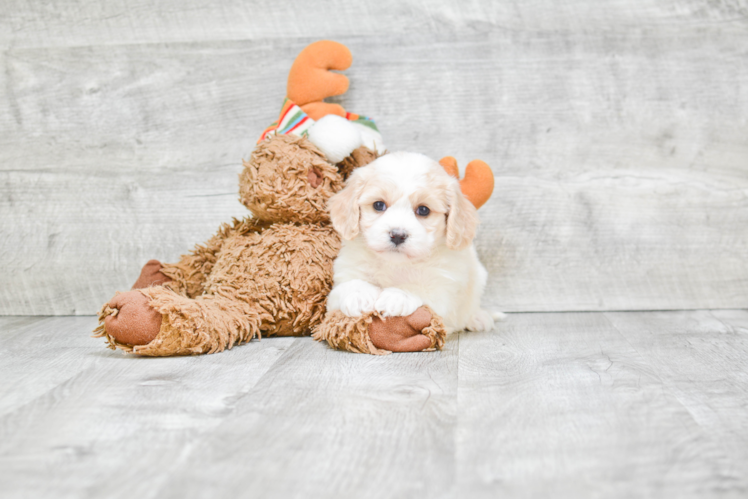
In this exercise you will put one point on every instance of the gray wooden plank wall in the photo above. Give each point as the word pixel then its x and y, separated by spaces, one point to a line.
pixel 617 131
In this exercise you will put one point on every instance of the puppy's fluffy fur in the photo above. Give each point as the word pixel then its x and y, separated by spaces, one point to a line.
pixel 407 241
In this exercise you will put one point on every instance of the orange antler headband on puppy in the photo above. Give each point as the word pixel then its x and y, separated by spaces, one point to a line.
pixel 477 186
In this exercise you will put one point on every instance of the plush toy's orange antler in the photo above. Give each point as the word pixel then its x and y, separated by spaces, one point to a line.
pixel 450 165
pixel 310 79
pixel 477 185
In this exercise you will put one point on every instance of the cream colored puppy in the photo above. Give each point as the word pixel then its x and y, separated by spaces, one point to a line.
pixel 407 241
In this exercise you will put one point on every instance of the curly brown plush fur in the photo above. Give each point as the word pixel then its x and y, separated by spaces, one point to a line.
pixel 263 275
pixel 275 185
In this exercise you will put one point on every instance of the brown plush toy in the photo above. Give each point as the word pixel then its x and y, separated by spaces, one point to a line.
pixel 267 274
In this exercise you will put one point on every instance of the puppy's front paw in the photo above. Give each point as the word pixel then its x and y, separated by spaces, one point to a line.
pixel 396 302
pixel 353 298
pixel 482 321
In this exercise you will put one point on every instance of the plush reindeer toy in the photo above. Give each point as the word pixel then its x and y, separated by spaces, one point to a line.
pixel 269 273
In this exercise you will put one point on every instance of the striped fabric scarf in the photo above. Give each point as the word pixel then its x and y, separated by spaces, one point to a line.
pixel 293 120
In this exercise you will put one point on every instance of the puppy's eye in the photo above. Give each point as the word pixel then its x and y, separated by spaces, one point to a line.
pixel 380 206
pixel 423 211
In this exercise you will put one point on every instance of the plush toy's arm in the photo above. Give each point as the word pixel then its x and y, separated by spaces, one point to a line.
pixel 189 274
pixel 371 334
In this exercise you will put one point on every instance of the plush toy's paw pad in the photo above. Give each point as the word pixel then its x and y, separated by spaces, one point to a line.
pixel 482 321
pixel 135 322
pixel 402 334
pixel 151 275
pixel 420 319
pixel 396 302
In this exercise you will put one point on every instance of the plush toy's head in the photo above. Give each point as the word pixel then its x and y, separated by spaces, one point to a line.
pixel 288 180
pixel 303 158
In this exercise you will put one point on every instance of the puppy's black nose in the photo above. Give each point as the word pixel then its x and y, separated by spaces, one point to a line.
pixel 398 236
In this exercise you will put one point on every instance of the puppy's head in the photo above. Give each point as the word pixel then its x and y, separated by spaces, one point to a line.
pixel 404 205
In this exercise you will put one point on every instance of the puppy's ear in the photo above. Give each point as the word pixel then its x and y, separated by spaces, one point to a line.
pixel 344 209
pixel 462 219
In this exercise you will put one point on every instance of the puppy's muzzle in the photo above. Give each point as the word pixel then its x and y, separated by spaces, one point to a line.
pixel 398 237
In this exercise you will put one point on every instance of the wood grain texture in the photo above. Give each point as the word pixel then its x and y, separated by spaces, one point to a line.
pixel 564 405
pixel 645 404
pixel 88 419
pixel 702 362
pixel 616 134
pixel 74 23
pixel 327 423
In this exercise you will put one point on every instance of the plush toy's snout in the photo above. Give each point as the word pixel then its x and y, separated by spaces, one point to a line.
pixel 315 177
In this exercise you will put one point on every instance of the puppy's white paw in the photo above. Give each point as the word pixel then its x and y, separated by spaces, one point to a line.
pixel 498 316
pixel 353 298
pixel 480 322
pixel 396 302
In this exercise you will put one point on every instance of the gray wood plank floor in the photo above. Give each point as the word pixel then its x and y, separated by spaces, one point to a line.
pixel 548 404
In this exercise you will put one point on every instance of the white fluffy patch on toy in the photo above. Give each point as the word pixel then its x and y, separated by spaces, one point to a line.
pixel 337 137
pixel 370 138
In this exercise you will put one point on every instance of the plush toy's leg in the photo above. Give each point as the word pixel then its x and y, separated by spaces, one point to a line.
pixel 126 321
pixel 181 325
pixel 372 334
pixel 151 275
